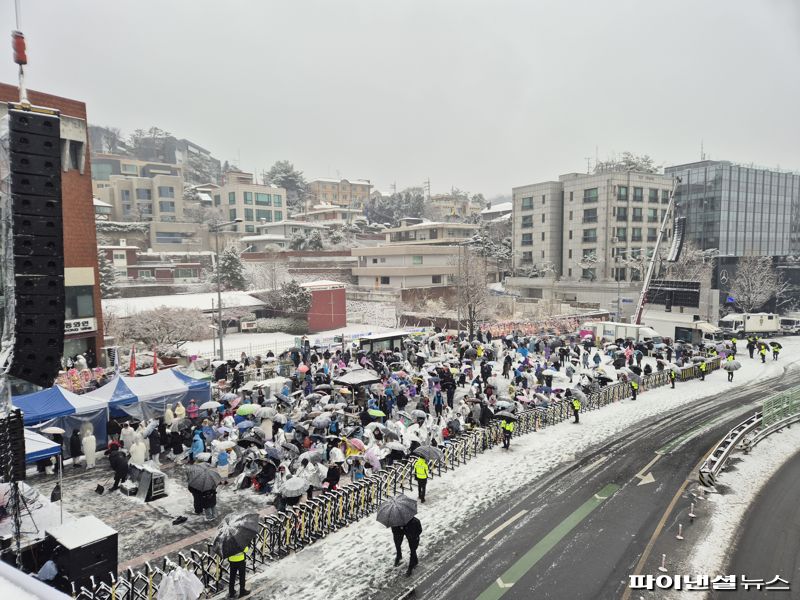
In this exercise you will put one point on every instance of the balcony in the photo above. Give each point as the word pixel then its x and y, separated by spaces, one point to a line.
pixel 590 219
pixel 622 218
pixel 652 238
pixel 638 198
pixel 587 199
pixel 636 238
pixel 589 240
pixel 637 218
pixel 651 219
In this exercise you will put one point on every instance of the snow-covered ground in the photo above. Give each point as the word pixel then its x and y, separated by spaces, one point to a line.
pixel 357 561
pixel 727 510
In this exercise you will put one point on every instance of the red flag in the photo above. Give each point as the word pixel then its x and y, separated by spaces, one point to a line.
pixel 132 370
pixel 155 360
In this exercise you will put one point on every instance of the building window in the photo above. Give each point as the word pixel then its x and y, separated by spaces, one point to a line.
pixel 276 200
pixel 569 272
pixel 542 199
pixel 120 256
pixel 185 273
pixel 169 237
pixel 166 206
pixel 384 280
pixel 264 215
pixel 665 196
pixel 146 208
pixel 527 239
pixel 542 217
pixel 619 274
pixel 588 252
pixel 636 234
pixel 638 194
pixel 621 233
pixel 637 214
pixel 622 213
pixel 78 301
pixel 622 193
pixel 663 214
pixel 166 191
pixel 527 203
pixel 527 257
pixel 216 200
pixel 436 279
pixel 231 197
pixel 543 236
pixel 232 214
pixel 590 215
pixel 128 169
pixel 263 199
pixel 249 228
pixel 652 195
pixel 570 234
pixel 416 260
pixel 145 274
pixel 125 195
pixel 570 196
pixel 590 235
pixel 248 197
pixel 143 194
pixel 75 152
pixel 590 274
pixel 527 221
pixel 570 215
pixel 569 254
pixel 248 214
pixel 590 195
pixel 278 215
pixel 652 234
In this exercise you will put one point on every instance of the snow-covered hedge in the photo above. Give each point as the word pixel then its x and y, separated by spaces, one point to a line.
pixel 284 324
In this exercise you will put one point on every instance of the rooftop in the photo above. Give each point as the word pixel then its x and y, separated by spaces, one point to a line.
pixel 501 207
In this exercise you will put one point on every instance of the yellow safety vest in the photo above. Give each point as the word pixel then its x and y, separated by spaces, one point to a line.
pixel 238 557
pixel 421 468
pixel 702 366
pixel 508 426
pixel 634 385
pixel 576 404
pixel 672 375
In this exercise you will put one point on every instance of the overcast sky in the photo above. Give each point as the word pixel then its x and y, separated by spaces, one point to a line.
pixel 483 95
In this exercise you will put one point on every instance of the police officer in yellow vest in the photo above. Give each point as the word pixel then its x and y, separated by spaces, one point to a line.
pixel 237 567
pixel 576 409
pixel 421 472
pixel 634 388
pixel 702 366
pixel 508 430
pixel 733 345
pixel 672 377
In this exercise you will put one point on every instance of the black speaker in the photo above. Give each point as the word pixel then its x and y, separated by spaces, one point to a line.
pixel 83 549
pixel 679 231
pixel 38 243
pixel 12 446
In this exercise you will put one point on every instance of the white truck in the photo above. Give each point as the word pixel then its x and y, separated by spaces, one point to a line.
pixel 611 330
pixel 743 324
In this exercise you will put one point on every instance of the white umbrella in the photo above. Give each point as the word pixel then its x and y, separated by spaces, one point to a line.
pixel 210 405
pixel 53 430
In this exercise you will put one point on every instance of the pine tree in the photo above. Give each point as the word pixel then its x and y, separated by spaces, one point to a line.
pixel 108 278
pixel 231 269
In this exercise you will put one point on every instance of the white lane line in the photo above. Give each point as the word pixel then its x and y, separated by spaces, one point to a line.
pixel 591 466
pixel 494 532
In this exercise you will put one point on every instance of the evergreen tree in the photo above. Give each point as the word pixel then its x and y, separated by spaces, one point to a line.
pixel 283 174
pixel 108 278
pixel 231 270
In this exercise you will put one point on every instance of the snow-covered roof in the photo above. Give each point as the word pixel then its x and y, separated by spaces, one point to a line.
pixel 322 283
pixel 291 223
pixel 501 219
pixel 429 224
pixel 501 207
pixel 265 237
pixel 127 307
pixel 205 197
pixel 328 180
pixel 98 202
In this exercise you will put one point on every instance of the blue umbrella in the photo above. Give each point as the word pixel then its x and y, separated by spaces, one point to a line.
pixel 245 425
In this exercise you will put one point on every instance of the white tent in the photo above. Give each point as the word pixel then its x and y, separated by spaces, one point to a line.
pixel 155 392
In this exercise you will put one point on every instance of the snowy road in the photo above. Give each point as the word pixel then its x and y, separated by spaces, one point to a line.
pixel 586 519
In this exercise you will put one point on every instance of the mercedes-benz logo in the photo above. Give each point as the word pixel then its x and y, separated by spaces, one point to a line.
pixel 723 276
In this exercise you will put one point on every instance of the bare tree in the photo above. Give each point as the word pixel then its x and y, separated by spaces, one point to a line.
pixel 693 264
pixel 756 282
pixel 165 327
pixel 472 295
pixel 589 263
pixel 264 275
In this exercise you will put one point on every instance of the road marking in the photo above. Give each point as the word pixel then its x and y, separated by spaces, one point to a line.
pixel 547 543
pixel 644 476
pixel 649 548
pixel 676 442
pixel 591 466
pixel 494 532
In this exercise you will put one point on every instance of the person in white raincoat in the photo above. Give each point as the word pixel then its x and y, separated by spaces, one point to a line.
pixel 138 451
pixel 89 447
pixel 169 416
pixel 180 412
pixel 127 437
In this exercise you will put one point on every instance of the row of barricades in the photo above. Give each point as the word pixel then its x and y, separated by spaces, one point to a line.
pixel 298 526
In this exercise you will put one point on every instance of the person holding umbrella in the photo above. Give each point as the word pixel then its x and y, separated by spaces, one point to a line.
pixel 398 513
pixel 234 536
pixel 776 348
pixel 421 473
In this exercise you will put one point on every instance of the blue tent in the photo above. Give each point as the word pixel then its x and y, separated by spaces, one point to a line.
pixel 38 447
pixel 199 389
pixel 117 395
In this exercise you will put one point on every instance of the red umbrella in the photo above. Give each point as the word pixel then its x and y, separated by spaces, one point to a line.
pixel 303 368
pixel 357 444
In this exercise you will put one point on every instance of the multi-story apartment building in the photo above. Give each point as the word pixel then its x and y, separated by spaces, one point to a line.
pixel 105 166
pixel 452 207
pixel 83 322
pixel 139 198
pixel 241 198
pixel 341 192
pixel 587 236
pixel 429 232
pixel 406 266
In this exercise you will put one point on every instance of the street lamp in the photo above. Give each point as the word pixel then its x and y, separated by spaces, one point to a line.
pixel 215 228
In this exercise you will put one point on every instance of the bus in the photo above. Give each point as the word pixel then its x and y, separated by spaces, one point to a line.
pixel 388 340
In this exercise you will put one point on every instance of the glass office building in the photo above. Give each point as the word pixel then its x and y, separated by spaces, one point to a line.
pixel 741 210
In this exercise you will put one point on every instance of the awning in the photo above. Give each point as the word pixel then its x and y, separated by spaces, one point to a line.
pixel 38 447
pixel 55 402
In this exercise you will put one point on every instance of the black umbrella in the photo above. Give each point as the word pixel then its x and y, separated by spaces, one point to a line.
pixel 390 436
pixel 397 511
pixel 775 345
pixel 203 478
pixel 250 440
pixel 429 453
pixel 504 414
pixel 290 447
pixel 236 532
pixel 636 369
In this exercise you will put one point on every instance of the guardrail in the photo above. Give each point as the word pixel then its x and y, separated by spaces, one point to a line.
pixel 780 410
pixel 298 526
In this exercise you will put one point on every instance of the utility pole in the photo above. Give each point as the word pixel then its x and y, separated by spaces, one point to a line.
pixel 427 187
pixel 215 228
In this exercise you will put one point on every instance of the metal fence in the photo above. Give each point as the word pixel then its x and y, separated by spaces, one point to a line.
pixel 298 526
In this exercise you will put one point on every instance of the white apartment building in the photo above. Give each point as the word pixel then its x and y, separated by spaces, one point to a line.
pixel 537 226
pixel 398 266
pixel 241 198
pixel 341 192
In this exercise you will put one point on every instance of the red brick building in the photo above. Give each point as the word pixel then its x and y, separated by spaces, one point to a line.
pixel 328 305
pixel 83 319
